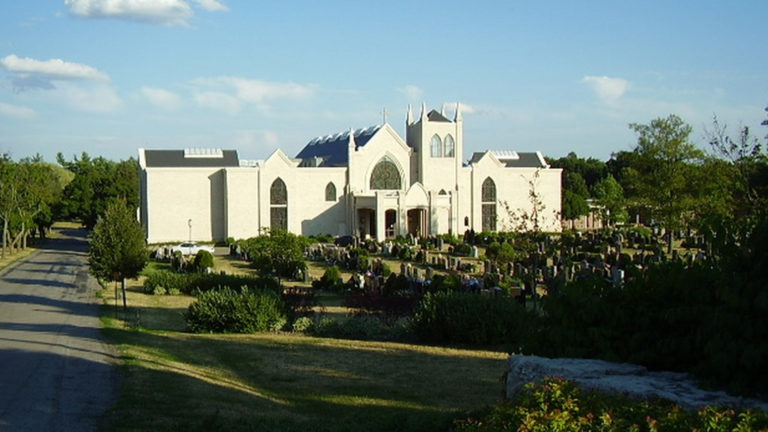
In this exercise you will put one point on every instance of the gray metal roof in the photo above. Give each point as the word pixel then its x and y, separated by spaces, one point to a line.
pixel 185 158
pixel 436 116
pixel 332 150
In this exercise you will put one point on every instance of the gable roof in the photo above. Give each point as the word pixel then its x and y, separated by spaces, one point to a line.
pixel 513 159
pixel 191 158
pixel 332 150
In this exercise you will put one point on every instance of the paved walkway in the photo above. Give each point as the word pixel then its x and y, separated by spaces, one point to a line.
pixel 56 373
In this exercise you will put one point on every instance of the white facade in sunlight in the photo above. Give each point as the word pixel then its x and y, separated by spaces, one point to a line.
pixel 367 182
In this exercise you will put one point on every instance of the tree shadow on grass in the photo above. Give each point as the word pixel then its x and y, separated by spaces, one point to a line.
pixel 289 382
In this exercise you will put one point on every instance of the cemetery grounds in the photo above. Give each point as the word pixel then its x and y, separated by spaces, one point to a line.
pixel 175 380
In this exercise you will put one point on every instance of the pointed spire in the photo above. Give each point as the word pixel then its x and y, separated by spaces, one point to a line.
pixel 442 110
pixel 352 144
pixel 457 117
pixel 409 118
pixel 423 111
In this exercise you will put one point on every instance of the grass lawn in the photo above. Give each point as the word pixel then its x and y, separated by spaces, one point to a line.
pixel 179 381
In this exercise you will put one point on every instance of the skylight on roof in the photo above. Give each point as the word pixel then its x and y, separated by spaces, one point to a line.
pixel 203 153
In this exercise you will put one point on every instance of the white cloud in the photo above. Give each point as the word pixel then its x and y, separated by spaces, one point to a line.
pixel 229 94
pixel 608 89
pixel 412 92
pixel 161 98
pixel 95 99
pixel 271 139
pixel 218 101
pixel 211 5
pixel 28 70
pixel 165 12
pixel 8 110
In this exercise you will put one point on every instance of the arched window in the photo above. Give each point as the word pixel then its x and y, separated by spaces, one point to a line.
pixel 330 192
pixel 488 198
pixel 278 193
pixel 489 190
pixel 278 209
pixel 450 146
pixel 385 175
pixel 437 146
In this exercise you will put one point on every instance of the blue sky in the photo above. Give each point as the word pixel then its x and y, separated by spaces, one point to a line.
pixel 109 76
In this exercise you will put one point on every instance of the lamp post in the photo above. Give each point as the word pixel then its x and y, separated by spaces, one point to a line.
pixel 189 222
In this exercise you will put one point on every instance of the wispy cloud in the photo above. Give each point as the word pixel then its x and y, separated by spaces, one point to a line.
pixel 608 89
pixel 412 93
pixel 95 98
pixel 211 5
pixel 230 93
pixel 15 111
pixel 163 12
pixel 161 98
pixel 32 73
pixel 218 101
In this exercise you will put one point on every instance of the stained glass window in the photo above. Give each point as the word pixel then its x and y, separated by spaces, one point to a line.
pixel 278 218
pixel 436 146
pixel 489 191
pixel 385 175
pixel 489 205
pixel 489 217
pixel 450 145
pixel 278 194
pixel 330 192
pixel 278 199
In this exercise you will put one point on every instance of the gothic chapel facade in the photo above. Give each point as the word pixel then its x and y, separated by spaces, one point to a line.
pixel 367 182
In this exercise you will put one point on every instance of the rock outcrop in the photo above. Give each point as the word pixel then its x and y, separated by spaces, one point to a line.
pixel 631 380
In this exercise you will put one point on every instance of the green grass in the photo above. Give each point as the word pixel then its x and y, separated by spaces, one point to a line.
pixel 178 381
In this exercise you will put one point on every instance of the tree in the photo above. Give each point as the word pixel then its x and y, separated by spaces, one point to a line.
pixel 663 176
pixel 118 249
pixel 575 194
pixel 610 196
pixel 277 253
pixel 97 182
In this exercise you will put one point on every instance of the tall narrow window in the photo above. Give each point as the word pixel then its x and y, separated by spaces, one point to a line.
pixel 385 175
pixel 330 192
pixel 278 205
pixel 450 146
pixel 437 146
pixel 488 199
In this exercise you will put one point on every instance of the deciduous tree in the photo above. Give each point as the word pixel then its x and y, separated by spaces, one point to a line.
pixel 118 249
pixel 664 171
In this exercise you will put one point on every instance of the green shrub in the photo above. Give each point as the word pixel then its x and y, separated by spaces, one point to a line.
pixel 363 327
pixel 453 317
pixel 203 260
pixel 559 405
pixel 330 280
pixel 231 311
pixel 187 283
pixel 303 324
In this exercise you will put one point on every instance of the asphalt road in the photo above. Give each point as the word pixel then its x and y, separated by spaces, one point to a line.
pixel 56 373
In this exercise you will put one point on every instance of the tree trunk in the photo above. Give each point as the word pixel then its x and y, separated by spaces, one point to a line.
pixel 671 240
pixel 125 303
pixel 5 232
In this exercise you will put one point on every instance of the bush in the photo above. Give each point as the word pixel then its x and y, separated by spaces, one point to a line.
pixel 330 280
pixel 559 405
pixel 203 260
pixel 363 327
pixel 231 311
pixel 303 324
pixel 187 283
pixel 453 317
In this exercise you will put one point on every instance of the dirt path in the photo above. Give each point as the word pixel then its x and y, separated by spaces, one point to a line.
pixel 56 373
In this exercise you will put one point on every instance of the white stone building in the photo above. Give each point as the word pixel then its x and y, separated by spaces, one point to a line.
pixel 367 182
